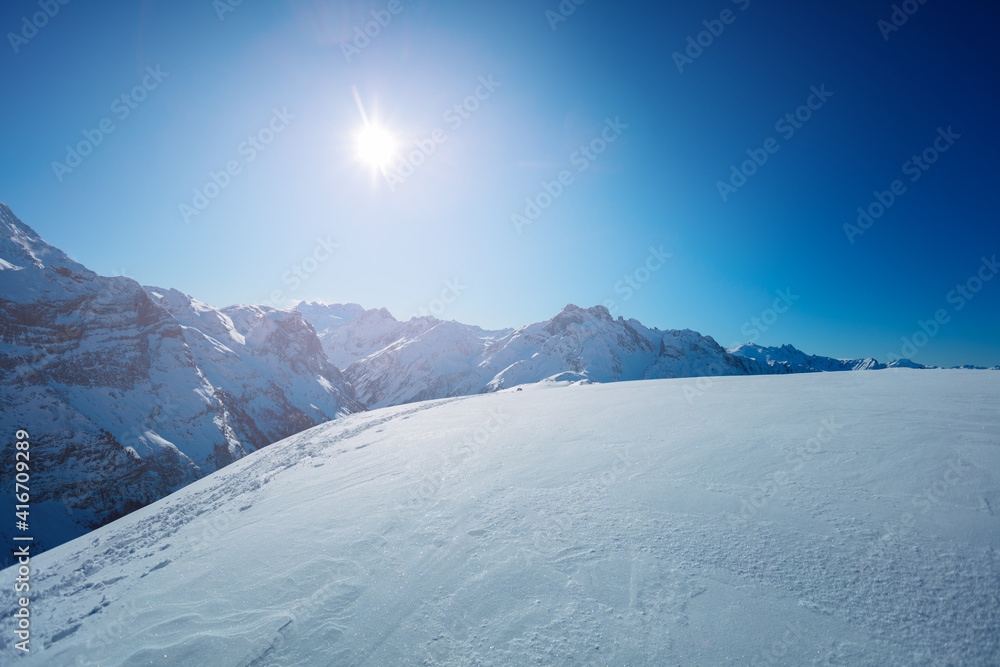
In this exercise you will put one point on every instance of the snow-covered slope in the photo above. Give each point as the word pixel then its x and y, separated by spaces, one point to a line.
pixel 452 359
pixel 846 518
pixel 797 361
pixel 128 397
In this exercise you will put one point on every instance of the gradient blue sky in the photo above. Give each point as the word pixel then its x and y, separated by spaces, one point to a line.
pixel 118 212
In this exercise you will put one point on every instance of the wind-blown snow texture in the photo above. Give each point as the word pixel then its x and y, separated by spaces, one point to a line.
pixel 845 518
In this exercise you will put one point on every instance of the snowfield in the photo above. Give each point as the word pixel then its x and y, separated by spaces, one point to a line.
pixel 829 518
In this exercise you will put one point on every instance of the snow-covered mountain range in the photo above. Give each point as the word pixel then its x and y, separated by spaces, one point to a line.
pixel 392 362
pixel 797 361
pixel 132 392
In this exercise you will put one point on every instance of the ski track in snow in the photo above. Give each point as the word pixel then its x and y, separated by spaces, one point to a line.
pixel 614 524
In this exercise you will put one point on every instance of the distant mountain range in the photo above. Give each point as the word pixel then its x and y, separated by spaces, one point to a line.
pixel 131 392
pixel 390 362
pixel 797 361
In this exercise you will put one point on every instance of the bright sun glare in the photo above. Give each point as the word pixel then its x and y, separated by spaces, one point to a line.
pixel 376 146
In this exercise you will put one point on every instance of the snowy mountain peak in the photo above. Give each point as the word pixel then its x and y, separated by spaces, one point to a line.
pixel 191 312
pixel 21 247
pixel 17 241
pixel 903 363
pixel 574 315
pixel 342 311
pixel 381 315
pixel 348 332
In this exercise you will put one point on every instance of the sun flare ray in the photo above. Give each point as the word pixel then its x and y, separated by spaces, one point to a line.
pixel 374 144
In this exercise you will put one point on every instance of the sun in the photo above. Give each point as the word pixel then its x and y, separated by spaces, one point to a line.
pixel 376 146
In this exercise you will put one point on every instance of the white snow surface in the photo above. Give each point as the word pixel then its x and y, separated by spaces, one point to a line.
pixel 831 519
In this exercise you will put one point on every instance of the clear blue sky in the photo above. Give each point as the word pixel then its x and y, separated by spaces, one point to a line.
pixel 553 91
